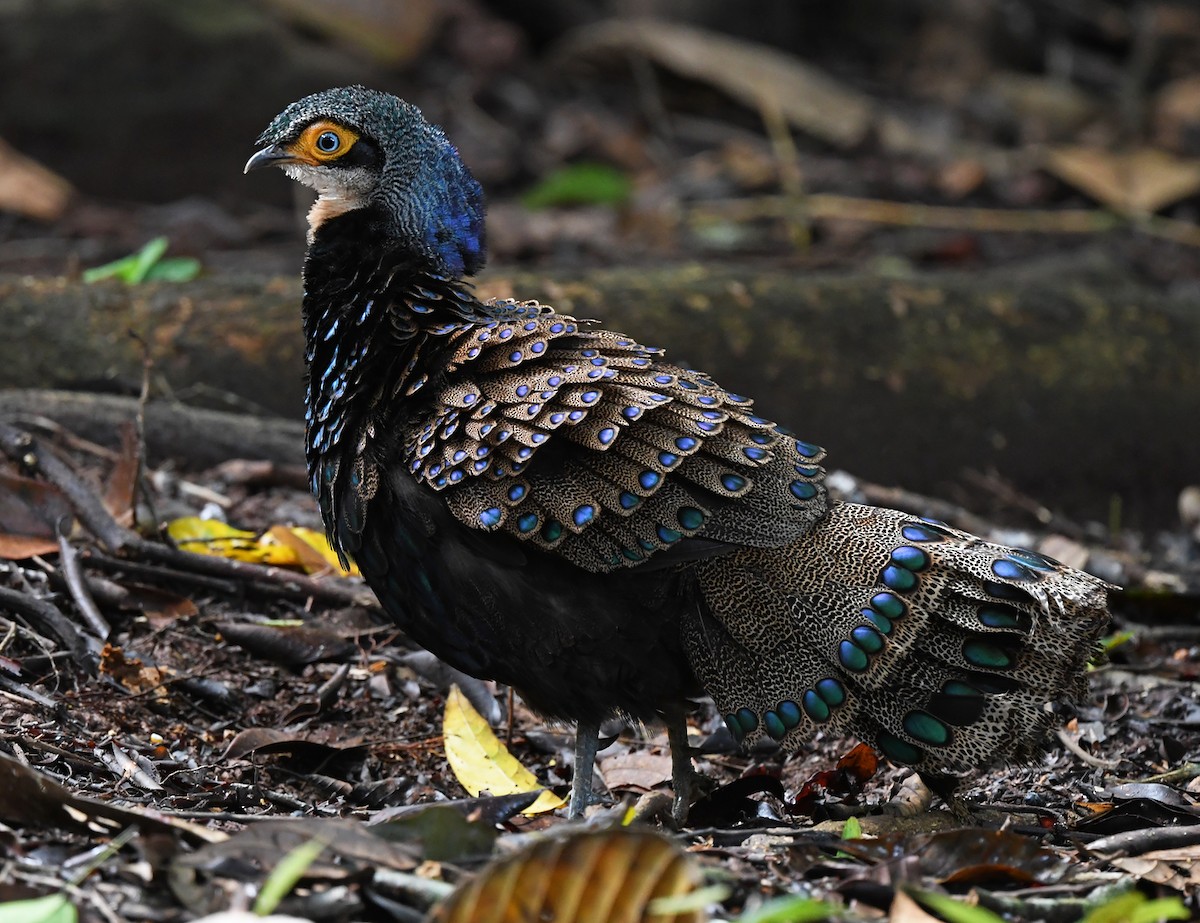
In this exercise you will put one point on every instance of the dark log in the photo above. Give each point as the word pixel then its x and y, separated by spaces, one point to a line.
pixel 1076 381
pixel 193 436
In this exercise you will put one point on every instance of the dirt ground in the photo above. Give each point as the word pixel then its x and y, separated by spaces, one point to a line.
pixel 974 222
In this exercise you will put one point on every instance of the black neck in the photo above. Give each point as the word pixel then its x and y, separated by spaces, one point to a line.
pixel 369 303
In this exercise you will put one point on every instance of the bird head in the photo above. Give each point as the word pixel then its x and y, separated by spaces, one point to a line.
pixel 363 149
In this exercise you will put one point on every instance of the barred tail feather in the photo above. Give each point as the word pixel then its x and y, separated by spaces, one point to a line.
pixel 944 651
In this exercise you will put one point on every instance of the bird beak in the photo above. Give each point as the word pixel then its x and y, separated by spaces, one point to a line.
pixel 272 156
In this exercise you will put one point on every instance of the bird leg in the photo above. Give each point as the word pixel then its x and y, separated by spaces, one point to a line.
pixel 946 787
pixel 587 737
pixel 682 774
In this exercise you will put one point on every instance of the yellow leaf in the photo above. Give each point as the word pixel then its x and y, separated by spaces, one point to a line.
pixel 211 536
pixel 280 546
pixel 481 763
pixel 311 548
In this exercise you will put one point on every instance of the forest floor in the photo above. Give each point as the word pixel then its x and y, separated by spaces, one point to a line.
pixel 972 229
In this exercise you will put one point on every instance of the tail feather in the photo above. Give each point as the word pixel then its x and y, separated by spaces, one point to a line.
pixel 944 651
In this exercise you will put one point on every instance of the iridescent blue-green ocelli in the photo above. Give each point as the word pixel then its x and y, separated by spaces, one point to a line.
pixel 936 647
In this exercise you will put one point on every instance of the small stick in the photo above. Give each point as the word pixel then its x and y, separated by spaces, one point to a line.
pixel 139 423
pixel 47 617
pixel 920 504
pixel 77 585
pixel 23 448
pixel 508 729
pixel 1046 518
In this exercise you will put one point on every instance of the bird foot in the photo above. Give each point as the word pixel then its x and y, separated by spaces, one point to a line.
pixel 918 792
pixel 946 788
pixel 683 776
pixel 587 736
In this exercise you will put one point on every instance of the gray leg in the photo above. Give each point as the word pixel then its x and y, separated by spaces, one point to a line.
pixel 681 764
pixel 587 736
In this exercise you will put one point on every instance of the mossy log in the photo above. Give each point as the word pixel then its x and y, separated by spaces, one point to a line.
pixel 1077 383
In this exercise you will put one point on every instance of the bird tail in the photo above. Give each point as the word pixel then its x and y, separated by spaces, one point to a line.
pixel 945 652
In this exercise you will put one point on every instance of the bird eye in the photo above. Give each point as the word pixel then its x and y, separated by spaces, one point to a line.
pixel 328 142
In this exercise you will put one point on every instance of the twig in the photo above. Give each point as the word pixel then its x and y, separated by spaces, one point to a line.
pixel 1137 842
pixel 69 560
pixel 881 211
pixel 1184 773
pixel 198 438
pixel 508 727
pixel 52 427
pixel 226 576
pixel 104 591
pixel 47 645
pixel 47 617
pixel 1071 744
pixel 1181 232
pixel 260 473
pixel 157 574
pixel 1010 496
pixel 1135 75
pixel 23 448
pixel 791 174
pixel 139 426
pixel 17 690
pixel 899 498
pixel 948 217
pixel 283 582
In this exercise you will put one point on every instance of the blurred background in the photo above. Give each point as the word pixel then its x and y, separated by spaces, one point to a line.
pixel 940 236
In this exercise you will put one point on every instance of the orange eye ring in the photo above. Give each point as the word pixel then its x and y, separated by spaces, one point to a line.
pixel 322 142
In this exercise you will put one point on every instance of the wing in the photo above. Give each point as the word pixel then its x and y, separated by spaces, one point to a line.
pixel 585 443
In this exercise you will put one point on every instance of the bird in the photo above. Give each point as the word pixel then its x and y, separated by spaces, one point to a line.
pixel 552 505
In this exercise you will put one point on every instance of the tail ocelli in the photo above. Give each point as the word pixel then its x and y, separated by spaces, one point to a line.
pixel 945 652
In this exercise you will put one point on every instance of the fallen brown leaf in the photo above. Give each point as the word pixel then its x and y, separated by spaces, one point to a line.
pixel 28 188
pixel 1133 182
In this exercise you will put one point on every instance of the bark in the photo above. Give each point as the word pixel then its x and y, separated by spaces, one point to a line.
pixel 1078 383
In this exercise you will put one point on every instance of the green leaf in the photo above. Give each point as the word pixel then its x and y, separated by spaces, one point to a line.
pixel 444 833
pixel 283 877
pixel 791 910
pixel 955 911
pixel 53 908
pixel 580 184
pixel 174 269
pixel 690 903
pixel 1117 639
pixel 851 830
pixel 145 258
pixel 146 264
pixel 118 269
pixel 1135 907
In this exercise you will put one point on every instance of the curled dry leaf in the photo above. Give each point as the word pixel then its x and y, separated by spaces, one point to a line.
pixel 391 34
pixel 636 771
pixel 584 877
pixel 30 511
pixel 757 76
pixel 133 674
pixel 1133 182
pixel 291 645
pixel 28 188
